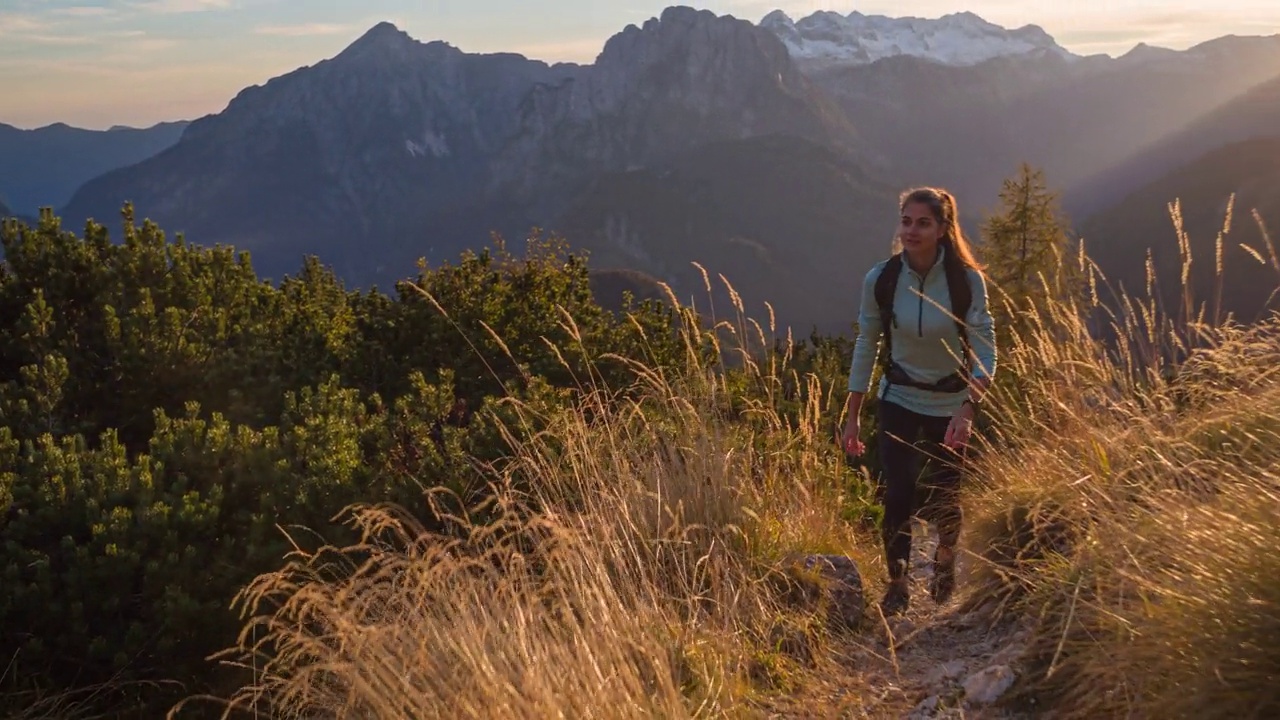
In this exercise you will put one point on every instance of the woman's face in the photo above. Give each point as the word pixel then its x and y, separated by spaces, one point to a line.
pixel 919 230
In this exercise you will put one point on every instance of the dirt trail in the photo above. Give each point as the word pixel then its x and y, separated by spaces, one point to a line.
pixel 933 662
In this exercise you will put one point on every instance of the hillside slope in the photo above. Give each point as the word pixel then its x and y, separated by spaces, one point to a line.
pixel 1254 114
pixel 968 127
pixel 783 219
pixel 1120 236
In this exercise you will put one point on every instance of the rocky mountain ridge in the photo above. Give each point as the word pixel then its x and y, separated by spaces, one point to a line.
pixel 396 149
pixel 389 137
pixel 827 38
pixel 657 91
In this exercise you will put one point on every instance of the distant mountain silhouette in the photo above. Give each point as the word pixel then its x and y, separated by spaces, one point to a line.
pixel 44 166
pixel 1253 114
pixel 968 127
pixel 1120 236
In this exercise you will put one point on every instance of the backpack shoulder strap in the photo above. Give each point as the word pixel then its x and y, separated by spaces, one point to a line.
pixel 887 281
pixel 961 292
pixel 885 289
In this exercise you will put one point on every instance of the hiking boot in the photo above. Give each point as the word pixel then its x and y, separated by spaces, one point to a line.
pixel 896 598
pixel 943 582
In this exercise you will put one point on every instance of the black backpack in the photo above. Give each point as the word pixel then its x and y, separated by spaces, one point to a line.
pixel 961 299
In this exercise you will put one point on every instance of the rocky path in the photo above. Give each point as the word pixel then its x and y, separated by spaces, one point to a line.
pixel 934 662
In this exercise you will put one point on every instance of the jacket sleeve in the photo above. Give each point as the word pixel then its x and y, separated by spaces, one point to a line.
pixel 982 334
pixel 867 345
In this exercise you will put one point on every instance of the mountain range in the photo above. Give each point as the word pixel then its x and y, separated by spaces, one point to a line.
pixel 772 152
pixel 44 166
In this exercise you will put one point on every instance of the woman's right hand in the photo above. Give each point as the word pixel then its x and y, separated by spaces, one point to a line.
pixel 851 440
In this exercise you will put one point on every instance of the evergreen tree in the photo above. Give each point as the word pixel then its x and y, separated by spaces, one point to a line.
pixel 1031 260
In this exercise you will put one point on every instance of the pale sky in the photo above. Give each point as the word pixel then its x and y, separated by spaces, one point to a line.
pixel 97 63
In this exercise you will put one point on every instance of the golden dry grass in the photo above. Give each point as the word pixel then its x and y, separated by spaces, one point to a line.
pixel 638 567
pixel 1129 507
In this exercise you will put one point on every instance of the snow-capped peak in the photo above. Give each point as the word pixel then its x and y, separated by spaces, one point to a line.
pixel 956 39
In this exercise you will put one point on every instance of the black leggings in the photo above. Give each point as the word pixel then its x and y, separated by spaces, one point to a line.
pixel 920 473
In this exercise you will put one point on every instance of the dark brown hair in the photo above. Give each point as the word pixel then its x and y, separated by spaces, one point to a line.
pixel 943 205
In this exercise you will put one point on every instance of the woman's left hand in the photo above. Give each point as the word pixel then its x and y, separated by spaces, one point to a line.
pixel 958 431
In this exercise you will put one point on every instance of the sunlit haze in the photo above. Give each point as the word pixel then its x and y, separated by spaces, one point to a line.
pixel 98 63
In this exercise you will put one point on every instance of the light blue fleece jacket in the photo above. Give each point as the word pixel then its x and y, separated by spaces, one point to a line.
pixel 925 340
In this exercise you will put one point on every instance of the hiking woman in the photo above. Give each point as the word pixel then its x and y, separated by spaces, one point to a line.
pixel 924 313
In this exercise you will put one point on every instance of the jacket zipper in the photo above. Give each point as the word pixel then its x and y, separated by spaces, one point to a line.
pixel 920 315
